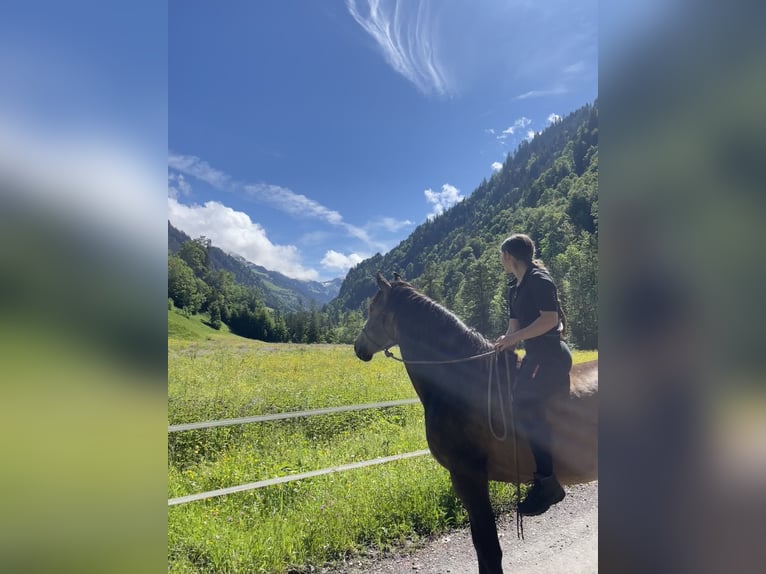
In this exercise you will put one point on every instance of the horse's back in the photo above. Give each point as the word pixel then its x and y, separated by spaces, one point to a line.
pixel 583 379
pixel 574 426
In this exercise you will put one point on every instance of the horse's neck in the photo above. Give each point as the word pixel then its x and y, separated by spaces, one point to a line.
pixel 433 350
pixel 425 348
pixel 443 343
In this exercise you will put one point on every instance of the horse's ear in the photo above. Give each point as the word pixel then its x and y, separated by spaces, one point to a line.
pixel 397 277
pixel 382 283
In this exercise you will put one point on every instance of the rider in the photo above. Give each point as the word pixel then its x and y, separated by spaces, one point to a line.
pixel 535 317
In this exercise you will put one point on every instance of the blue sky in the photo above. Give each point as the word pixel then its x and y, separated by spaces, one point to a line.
pixel 307 136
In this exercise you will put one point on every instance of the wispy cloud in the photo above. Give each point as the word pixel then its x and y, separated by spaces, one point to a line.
pixel 235 232
pixel 390 224
pixel 575 68
pixel 194 166
pixel 406 33
pixel 179 185
pixel 558 90
pixel 277 196
pixel 496 166
pixel 446 198
pixel 292 203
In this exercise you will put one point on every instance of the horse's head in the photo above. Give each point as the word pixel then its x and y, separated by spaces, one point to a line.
pixel 379 332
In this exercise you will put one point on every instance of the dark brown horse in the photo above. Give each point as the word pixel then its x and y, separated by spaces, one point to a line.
pixel 454 393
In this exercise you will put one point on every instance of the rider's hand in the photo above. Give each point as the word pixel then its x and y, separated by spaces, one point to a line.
pixel 506 342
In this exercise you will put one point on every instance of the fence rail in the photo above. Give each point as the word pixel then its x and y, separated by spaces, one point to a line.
pixel 288 415
pixel 293 477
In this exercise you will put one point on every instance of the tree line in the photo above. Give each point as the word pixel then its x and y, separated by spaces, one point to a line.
pixel 194 288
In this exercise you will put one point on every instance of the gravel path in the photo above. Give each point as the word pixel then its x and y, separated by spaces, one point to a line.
pixel 563 540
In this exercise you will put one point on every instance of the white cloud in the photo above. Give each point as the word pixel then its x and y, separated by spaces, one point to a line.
pixel 490 131
pixel 554 118
pixel 334 260
pixel 531 135
pixel 497 166
pixel 406 33
pixel 446 198
pixel 235 232
pixel 519 124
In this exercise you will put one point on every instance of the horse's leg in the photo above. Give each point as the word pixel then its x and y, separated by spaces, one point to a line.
pixel 473 490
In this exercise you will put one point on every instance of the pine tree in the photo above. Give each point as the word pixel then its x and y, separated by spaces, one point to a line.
pixel 477 293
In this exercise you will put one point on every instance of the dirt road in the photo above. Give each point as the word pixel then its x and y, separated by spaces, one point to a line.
pixel 562 541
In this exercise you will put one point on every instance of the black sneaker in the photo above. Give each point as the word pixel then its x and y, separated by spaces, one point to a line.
pixel 545 492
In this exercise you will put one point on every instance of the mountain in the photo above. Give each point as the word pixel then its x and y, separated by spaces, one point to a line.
pixel 294 293
pixel 279 291
pixel 175 238
pixel 548 189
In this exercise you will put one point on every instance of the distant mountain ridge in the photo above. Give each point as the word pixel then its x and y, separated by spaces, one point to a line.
pixel 279 291
pixel 320 292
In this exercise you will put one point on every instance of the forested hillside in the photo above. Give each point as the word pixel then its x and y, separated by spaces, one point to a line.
pixel 195 287
pixel 253 302
pixel 547 188
pixel 278 291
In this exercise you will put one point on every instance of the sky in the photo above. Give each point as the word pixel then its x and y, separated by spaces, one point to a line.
pixel 307 136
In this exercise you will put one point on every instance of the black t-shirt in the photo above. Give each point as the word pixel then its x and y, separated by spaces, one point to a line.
pixel 536 293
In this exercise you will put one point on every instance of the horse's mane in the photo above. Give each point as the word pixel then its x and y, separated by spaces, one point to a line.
pixel 422 317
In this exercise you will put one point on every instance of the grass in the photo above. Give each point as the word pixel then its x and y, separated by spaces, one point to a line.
pixel 193 328
pixel 293 527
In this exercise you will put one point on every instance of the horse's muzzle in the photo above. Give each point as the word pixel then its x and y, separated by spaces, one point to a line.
pixel 361 353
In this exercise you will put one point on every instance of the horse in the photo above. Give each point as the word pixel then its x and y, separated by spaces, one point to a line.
pixel 451 369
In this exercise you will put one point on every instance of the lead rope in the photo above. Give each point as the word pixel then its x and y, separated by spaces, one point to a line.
pixel 390 355
pixel 494 370
pixel 519 517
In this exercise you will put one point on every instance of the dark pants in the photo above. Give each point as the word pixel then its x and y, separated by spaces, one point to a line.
pixel 544 373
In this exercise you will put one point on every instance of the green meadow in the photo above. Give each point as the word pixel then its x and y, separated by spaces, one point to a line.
pixel 313 522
